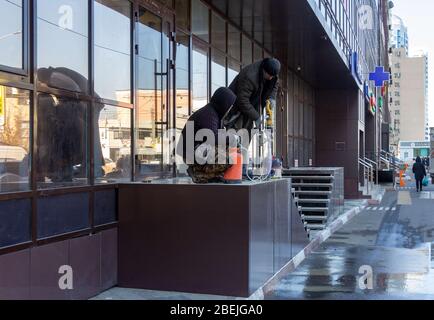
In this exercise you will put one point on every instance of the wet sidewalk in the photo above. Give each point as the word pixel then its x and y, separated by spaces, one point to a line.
pixel 393 239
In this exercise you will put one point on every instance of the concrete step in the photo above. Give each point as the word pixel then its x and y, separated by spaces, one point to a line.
pixel 309 185
pixel 325 201
pixel 314 209
pixel 314 218
pixel 311 177
pixel 314 226
pixel 321 193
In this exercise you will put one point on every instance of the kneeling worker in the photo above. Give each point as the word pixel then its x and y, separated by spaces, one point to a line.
pixel 209 118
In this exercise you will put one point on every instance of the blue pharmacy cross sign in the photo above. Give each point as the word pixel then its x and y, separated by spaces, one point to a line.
pixel 379 76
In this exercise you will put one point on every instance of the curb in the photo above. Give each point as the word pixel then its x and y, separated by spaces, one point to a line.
pixel 300 257
pixel 378 198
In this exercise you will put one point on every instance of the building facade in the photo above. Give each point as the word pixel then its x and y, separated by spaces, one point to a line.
pixel 409 95
pixel 89 88
pixel 409 150
pixel 399 34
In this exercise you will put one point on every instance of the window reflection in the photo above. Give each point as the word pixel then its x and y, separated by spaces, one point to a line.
pixel 11 33
pixel 258 53
pixel 234 11
pixel 14 139
pixel 200 20
pixel 247 51
pixel 150 94
pixel 182 85
pixel 182 91
pixel 248 16
pixel 182 16
pixel 218 71
pixel 63 38
pixel 234 69
pixel 113 144
pixel 221 5
pixel 113 49
pixel 234 46
pixel 218 32
pixel 61 157
pixel 200 78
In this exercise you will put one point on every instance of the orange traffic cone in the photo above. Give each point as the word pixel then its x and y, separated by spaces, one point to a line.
pixel 401 178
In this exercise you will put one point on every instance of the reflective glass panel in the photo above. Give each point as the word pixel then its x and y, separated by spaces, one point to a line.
pixel 63 44
pixel 113 49
pixel 14 139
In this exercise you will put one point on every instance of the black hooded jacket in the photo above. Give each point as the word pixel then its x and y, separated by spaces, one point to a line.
pixel 252 91
pixel 419 169
pixel 209 117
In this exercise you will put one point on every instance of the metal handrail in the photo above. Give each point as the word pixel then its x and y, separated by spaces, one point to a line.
pixel 373 163
pixel 368 171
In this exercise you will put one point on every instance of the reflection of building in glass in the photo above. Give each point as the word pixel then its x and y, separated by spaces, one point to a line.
pixel 114 128
pixel 14 139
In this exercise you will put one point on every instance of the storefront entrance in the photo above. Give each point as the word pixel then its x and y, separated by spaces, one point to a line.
pixel 154 94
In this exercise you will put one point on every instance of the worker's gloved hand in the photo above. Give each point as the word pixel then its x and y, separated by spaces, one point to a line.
pixel 269 109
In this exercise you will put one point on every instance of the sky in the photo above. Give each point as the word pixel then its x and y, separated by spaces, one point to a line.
pixel 418 17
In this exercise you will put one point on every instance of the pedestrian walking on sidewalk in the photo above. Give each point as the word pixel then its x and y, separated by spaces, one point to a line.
pixel 419 173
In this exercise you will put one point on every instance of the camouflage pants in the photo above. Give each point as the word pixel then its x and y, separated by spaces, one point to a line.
pixel 209 173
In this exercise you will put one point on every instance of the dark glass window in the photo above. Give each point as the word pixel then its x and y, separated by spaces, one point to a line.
pixel 113 49
pixel 105 207
pixel 234 11
pixel 61 157
pixel 200 20
pixel 167 3
pixel 218 71
pixel 182 14
pixel 200 77
pixel 248 16
pixel 14 139
pixel 11 33
pixel 63 43
pixel 259 21
pixel 112 127
pixel 218 33
pixel 258 53
pixel 62 214
pixel 247 51
pixel 15 217
pixel 233 70
pixel 221 5
pixel 234 45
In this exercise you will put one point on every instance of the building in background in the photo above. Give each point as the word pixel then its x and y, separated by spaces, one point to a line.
pixel 409 150
pixel 399 34
pixel 409 98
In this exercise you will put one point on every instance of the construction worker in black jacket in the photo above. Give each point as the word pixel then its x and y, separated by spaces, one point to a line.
pixel 254 86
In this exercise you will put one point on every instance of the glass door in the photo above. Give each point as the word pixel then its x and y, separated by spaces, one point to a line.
pixel 154 99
